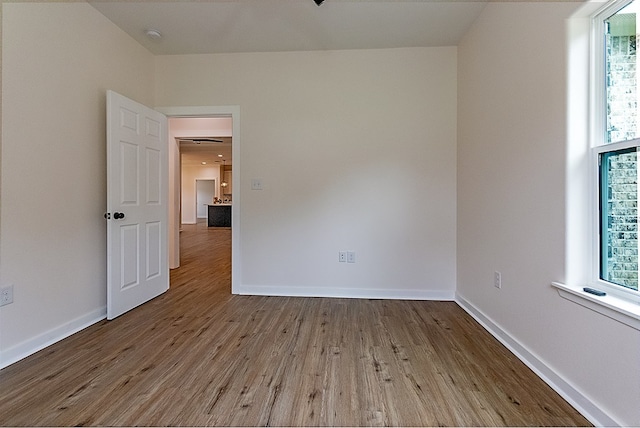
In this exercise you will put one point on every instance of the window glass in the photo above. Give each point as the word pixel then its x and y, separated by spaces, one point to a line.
pixel 620 74
pixel 619 217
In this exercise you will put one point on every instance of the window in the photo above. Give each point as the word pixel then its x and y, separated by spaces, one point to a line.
pixel 615 141
pixel 603 139
pixel 619 217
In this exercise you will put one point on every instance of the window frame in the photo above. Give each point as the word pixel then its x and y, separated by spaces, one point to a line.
pixel 598 145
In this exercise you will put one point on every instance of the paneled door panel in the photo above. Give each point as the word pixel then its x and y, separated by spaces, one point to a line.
pixel 129 256
pixel 154 255
pixel 129 180
pixel 137 211
pixel 154 171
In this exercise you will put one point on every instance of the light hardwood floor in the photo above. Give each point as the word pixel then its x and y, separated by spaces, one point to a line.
pixel 199 356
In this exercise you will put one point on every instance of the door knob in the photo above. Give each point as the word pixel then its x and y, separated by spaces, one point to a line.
pixel 118 215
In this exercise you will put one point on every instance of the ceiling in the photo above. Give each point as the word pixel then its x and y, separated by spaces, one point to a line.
pixel 231 26
pixel 194 154
pixel 191 134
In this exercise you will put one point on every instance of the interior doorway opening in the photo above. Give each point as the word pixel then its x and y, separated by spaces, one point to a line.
pixel 191 115
pixel 205 196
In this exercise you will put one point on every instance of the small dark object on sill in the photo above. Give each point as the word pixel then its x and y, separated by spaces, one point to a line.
pixel 594 291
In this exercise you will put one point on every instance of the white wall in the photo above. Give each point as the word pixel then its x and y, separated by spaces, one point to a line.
pixel 356 151
pixel 511 209
pixel 190 174
pixel 58 61
pixel 185 127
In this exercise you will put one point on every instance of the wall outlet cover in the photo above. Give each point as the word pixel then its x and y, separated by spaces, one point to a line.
pixel 6 295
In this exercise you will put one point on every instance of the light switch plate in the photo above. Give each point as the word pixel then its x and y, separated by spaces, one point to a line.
pixel 256 184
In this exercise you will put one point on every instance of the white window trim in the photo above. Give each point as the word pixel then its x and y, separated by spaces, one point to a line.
pixel 619 304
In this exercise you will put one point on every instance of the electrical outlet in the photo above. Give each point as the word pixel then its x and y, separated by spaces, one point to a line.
pixel 342 256
pixel 351 256
pixel 497 279
pixel 6 295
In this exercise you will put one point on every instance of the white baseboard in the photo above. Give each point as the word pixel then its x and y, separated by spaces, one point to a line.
pixel 35 344
pixel 579 401
pixel 348 293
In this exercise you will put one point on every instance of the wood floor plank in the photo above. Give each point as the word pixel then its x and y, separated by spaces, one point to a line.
pixel 199 356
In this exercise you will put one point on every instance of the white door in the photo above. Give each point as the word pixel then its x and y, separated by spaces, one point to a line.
pixel 205 192
pixel 137 209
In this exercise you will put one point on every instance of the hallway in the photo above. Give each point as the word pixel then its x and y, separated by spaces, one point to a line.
pixel 205 259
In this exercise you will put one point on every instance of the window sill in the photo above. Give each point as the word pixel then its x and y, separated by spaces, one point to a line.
pixel 613 307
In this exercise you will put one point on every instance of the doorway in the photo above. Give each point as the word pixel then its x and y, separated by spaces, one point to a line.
pixel 232 112
pixel 205 194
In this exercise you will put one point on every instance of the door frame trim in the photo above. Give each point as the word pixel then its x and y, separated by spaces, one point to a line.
pixel 232 111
